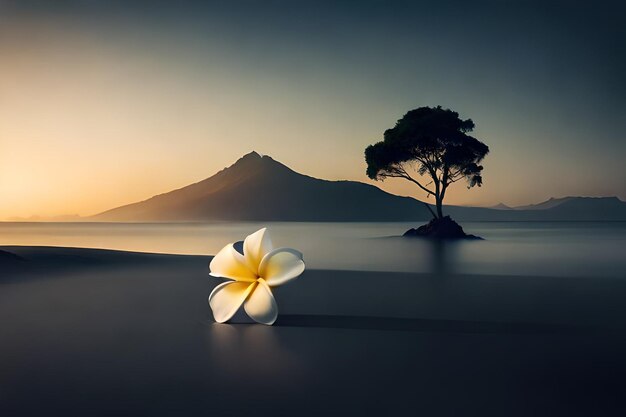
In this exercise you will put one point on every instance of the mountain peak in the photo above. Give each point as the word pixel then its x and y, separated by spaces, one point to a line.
pixel 252 155
pixel 250 160
pixel 501 206
pixel 255 162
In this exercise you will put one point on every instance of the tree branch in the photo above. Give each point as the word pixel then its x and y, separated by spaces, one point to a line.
pixel 402 173
pixel 405 175
pixel 408 177
pixel 451 178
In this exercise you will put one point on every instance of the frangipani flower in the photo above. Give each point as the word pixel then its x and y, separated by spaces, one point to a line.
pixel 253 274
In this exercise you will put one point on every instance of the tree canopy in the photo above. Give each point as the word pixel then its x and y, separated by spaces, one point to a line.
pixel 429 141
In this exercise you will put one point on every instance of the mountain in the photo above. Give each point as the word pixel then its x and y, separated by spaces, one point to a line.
pixel 582 208
pixel 258 188
pixel 548 204
pixel 501 206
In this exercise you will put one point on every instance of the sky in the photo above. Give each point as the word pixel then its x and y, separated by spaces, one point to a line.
pixel 104 103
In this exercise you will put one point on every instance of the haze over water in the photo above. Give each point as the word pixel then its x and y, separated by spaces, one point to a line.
pixel 524 248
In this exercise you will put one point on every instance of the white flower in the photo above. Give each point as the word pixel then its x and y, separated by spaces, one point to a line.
pixel 253 274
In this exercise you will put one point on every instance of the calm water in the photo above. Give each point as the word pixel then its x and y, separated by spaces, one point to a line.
pixel 550 249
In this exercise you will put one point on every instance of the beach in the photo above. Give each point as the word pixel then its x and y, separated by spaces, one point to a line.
pixel 101 333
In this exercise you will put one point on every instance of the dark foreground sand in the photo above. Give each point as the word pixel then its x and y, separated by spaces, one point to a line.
pixel 105 333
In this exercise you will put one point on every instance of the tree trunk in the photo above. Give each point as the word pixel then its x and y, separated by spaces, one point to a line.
pixel 439 201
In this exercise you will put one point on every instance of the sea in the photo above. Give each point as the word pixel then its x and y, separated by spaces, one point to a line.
pixel 576 249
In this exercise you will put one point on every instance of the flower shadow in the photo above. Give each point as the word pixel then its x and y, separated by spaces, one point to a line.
pixel 417 325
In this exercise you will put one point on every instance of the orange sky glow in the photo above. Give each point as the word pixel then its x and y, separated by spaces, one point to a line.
pixel 88 123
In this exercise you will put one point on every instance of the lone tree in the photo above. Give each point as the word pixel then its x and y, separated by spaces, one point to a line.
pixel 429 141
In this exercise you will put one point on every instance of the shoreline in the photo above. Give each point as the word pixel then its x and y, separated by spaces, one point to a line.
pixel 553 300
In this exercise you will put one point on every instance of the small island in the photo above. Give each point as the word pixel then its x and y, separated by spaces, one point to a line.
pixel 440 228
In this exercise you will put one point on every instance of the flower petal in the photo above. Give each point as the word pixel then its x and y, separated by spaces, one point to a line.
pixel 261 305
pixel 226 298
pixel 281 265
pixel 228 263
pixel 255 247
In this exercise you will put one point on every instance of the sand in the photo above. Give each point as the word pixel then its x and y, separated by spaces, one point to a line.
pixel 105 333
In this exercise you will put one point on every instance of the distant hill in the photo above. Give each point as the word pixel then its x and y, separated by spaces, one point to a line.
pixel 258 188
pixel 548 204
pixel 501 206
pixel 580 208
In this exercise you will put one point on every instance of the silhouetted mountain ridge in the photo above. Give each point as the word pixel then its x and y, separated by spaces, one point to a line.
pixel 258 188
pixel 501 206
pixel 556 202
